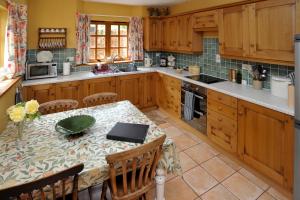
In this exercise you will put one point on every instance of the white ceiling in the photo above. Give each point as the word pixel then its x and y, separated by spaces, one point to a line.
pixel 141 2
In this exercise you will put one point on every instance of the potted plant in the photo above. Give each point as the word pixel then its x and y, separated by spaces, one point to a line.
pixel 22 112
pixel 259 75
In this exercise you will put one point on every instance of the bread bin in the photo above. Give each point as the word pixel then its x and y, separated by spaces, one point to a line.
pixel 194 69
pixel 279 86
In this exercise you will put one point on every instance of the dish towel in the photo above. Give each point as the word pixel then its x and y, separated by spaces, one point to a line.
pixel 189 101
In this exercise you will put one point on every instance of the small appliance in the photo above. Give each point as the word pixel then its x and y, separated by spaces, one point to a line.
pixel 171 61
pixel 41 70
pixel 279 86
pixel 148 62
pixel 205 78
pixel 163 62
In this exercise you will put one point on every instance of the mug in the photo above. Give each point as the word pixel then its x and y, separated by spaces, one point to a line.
pixel 148 62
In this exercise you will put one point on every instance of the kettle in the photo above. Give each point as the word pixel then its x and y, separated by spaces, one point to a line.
pixel 148 62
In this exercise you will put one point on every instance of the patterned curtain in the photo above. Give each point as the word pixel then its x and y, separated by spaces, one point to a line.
pixel 16 37
pixel 82 38
pixel 135 39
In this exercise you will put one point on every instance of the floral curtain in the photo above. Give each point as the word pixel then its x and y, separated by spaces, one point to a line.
pixel 82 38
pixel 16 37
pixel 135 38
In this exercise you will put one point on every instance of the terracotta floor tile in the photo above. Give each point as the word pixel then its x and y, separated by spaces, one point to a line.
pixel 186 162
pixel 218 168
pixel 199 180
pixel 164 126
pixel 172 131
pixel 177 189
pixel 200 153
pixel 217 193
pixel 183 142
pixel 230 162
pixel 194 137
pixel 254 179
pixel 266 196
pixel 242 187
pixel 277 195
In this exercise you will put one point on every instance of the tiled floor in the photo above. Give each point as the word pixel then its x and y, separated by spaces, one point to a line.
pixel 208 174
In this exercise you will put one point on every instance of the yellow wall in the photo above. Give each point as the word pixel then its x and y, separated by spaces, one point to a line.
pixel 7 100
pixel 3 22
pixel 298 16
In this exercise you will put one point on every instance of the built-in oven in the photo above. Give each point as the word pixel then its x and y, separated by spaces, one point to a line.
pixel 41 70
pixel 200 106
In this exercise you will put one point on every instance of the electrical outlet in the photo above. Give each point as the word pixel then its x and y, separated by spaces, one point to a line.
pixel 247 67
pixel 157 54
pixel 218 58
pixel 70 59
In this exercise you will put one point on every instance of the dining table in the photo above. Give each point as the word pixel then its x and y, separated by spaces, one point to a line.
pixel 42 151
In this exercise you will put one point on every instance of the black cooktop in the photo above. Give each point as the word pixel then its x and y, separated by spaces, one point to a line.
pixel 205 78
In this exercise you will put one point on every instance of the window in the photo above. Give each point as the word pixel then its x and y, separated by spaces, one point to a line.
pixel 108 39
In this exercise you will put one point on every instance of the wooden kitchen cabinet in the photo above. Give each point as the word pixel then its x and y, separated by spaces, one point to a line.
pixel 152 34
pixel 150 81
pixel 222 120
pixel 265 141
pixel 187 40
pixel 70 90
pixel 99 85
pixel 205 21
pixel 233 31
pixel 272 25
pixel 169 30
pixel 41 93
pixel 131 88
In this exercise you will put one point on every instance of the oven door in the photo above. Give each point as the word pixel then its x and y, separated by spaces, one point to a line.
pixel 200 112
pixel 38 71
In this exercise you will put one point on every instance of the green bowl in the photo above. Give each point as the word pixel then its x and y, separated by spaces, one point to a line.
pixel 75 124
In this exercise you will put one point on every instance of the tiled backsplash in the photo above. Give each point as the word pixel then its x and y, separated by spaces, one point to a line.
pixel 208 65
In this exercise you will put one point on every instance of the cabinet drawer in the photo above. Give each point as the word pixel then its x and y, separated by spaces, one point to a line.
pixel 222 98
pixel 205 20
pixel 222 109
pixel 221 120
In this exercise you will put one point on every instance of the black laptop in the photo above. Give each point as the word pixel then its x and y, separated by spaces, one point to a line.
pixel 135 133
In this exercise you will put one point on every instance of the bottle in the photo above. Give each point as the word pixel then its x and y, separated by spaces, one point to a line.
pixel 18 96
pixel 239 77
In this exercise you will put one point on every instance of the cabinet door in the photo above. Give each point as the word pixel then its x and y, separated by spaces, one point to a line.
pixel 184 27
pixel 131 88
pixel 41 93
pixel 172 33
pixel 99 85
pixel 272 26
pixel 265 141
pixel 161 91
pixel 165 34
pixel 70 90
pixel 206 20
pixel 150 89
pixel 152 34
pixel 233 31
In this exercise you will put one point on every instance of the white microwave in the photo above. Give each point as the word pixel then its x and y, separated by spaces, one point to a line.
pixel 41 70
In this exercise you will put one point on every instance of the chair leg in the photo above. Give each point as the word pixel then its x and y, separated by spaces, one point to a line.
pixel 104 189
pixel 145 196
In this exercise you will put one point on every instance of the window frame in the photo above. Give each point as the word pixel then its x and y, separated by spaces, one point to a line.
pixel 108 37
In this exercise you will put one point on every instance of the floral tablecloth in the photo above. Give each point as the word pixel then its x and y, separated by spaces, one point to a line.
pixel 43 151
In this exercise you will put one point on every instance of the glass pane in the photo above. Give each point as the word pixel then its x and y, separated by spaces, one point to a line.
pixel 114 52
pixel 123 30
pixel 101 42
pixel 123 52
pixel 123 42
pixel 93 29
pixel 114 29
pixel 93 42
pixel 100 53
pixel 114 42
pixel 92 54
pixel 101 29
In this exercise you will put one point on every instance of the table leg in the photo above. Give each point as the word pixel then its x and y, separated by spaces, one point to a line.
pixel 160 184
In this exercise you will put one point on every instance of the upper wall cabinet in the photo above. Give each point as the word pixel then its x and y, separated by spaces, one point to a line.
pixel 233 31
pixel 272 29
pixel 172 34
pixel 262 31
pixel 152 34
pixel 205 21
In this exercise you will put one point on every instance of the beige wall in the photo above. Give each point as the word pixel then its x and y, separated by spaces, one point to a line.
pixel 298 16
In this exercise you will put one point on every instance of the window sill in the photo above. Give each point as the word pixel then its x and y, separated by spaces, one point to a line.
pixel 7 84
pixel 95 63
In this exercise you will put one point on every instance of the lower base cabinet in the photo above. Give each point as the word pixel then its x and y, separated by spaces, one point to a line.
pixel 266 141
pixel 70 90
pixel 41 93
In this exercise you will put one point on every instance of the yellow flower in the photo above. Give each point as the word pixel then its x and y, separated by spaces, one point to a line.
pixel 31 107
pixel 17 114
pixel 8 111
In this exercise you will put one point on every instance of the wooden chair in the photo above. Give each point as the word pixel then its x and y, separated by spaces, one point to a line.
pixel 132 172
pixel 25 191
pixel 58 106
pixel 99 99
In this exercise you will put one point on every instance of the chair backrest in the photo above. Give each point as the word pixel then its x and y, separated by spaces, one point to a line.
pixel 39 186
pixel 99 99
pixel 58 106
pixel 140 164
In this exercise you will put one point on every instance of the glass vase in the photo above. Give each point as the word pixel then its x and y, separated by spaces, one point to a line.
pixel 20 129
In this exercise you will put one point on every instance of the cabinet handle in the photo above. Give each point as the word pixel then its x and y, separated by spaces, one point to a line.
pixel 220 119
pixel 241 113
pixel 220 108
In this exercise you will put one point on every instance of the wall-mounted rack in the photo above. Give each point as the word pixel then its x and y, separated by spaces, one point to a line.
pixel 52 38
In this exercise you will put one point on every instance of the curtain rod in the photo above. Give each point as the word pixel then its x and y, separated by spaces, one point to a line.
pixel 98 15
